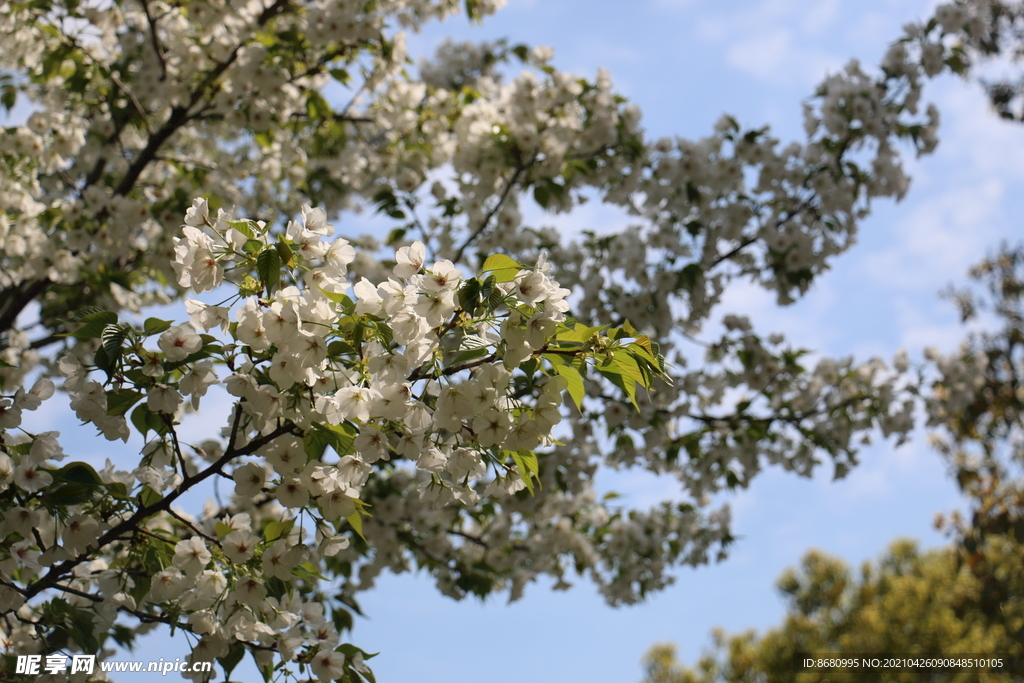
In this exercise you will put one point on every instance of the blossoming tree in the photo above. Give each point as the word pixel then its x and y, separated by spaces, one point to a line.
pixel 440 401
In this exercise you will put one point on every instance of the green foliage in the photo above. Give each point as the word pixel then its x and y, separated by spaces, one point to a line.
pixel 907 603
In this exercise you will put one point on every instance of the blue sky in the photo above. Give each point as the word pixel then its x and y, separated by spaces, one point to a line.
pixel 685 62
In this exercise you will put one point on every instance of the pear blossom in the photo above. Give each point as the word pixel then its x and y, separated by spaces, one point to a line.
pixel 80 531
pixel 409 260
pixel 28 476
pixel 191 555
pixel 292 492
pixel 249 591
pixel 328 665
pixel 34 397
pixel 249 480
pixel 167 585
pixel 179 342
pixel 239 546
pixel 163 398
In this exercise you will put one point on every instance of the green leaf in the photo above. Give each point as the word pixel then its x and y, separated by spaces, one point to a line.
pixel 275 530
pixel 268 266
pixel 117 490
pixel 505 275
pixel 52 61
pixel 339 348
pixel 155 326
pixel 266 670
pixel 542 195
pixel 120 400
pixel 496 297
pixel 344 437
pixel 384 334
pixel 469 295
pixel 243 227
pixel 252 246
pixel 149 497
pixel 231 659
pixel 81 624
pixel 687 277
pixel 645 358
pixel 9 97
pixel 342 619
pixel 575 387
pixel 356 520
pixel 315 442
pixel 622 359
pixel 339 298
pixel 395 236
pixel 112 338
pixel 499 262
pixel 145 420
pixel 320 436
pixel 284 251
pixel 617 376
pixel 67 495
pixel 105 317
pixel 316 106
pixel 90 330
pixel 504 267
pixel 307 571
pixel 526 462
pixel 645 342
pixel 351 651
pixel 78 473
pixel 580 333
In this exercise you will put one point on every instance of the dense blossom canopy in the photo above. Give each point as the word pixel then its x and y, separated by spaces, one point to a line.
pixel 443 400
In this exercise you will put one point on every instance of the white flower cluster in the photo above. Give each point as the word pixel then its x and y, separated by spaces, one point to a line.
pixel 423 368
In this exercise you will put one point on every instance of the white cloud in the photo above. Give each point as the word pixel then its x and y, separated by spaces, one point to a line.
pixel 940 238
pixel 796 42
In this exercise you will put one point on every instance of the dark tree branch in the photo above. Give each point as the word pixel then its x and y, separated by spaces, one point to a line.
pixel 157 48
pixel 490 214
pixel 57 571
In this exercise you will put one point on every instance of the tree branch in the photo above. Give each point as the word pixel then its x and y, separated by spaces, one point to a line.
pixel 490 214
pixel 157 48
pixel 163 505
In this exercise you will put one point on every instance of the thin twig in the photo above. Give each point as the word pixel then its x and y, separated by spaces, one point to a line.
pixel 57 571
pixel 74 591
pixel 135 101
pixel 490 214
pixel 192 526
pixel 156 40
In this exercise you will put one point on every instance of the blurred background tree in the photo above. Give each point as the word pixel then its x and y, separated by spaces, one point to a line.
pixel 966 598
pixel 907 603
